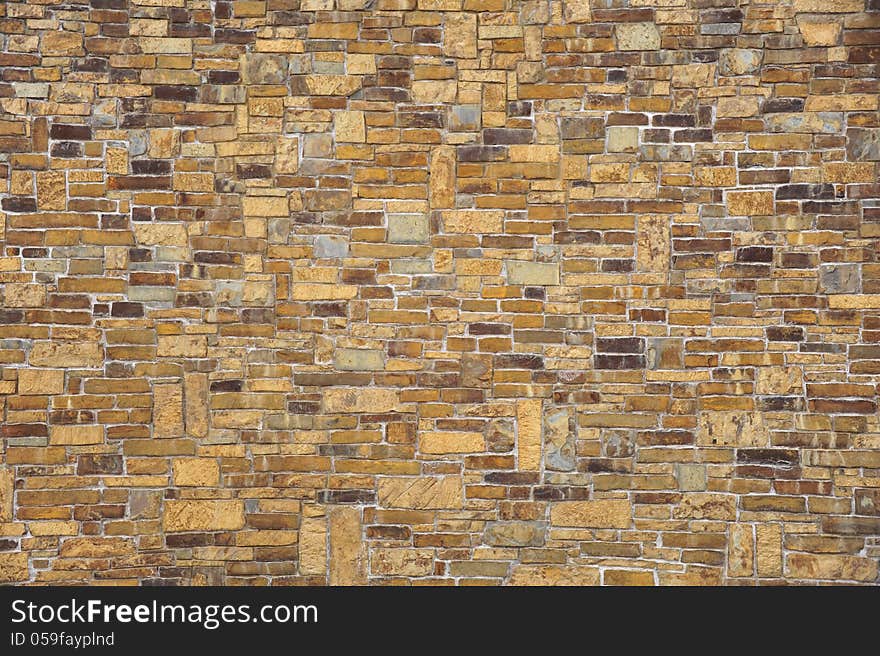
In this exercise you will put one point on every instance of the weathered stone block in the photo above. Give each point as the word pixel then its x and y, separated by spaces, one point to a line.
pixel 76 435
pixel 402 562
pixel 408 228
pixel 421 493
pixel 732 428
pixel 67 354
pixel 350 127
pixel 602 513
pixel 203 515
pixel 740 61
pixel 195 472
pixel 749 203
pixel 532 273
pixel 560 441
pixel 350 359
pixel 515 534
pixel 262 68
pixel 637 36
pixel 623 139
pixel 374 399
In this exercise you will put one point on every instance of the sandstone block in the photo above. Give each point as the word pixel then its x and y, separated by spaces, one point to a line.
pixel 819 32
pixel 402 562
pixel 13 567
pixel 7 494
pixel 313 546
pixel 182 346
pixel 322 292
pixel 750 203
pixel 602 513
pixel 446 442
pixel 831 567
pixel 421 493
pixel 408 229
pixel 781 381
pixel 51 190
pixel 442 177
pixel 460 35
pixel 623 139
pixel 23 295
pixel 732 428
pixel 348 400
pixel 637 36
pixel 690 477
pixel 263 68
pixel 161 234
pixel 203 515
pixel 360 359
pixel 473 221
pixel 532 273
pixel 348 561
pixel 740 61
pixel 350 126
pixel 76 435
pixel 515 534
pixel 195 472
pixel 67 354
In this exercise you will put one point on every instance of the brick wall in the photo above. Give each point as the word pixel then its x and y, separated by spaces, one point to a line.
pixel 439 291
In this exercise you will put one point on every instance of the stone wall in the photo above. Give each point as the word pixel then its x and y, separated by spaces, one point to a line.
pixel 439 291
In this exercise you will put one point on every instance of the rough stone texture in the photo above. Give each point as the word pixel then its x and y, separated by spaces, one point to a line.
pixel 637 36
pixel 545 292
pixel 408 228
pixel 740 61
pixel 560 441
pixel 180 515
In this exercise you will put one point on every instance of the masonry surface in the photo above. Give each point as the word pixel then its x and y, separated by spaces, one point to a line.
pixel 439 292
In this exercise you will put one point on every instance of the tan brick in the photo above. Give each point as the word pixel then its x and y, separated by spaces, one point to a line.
pixel 313 546
pixel 472 221
pixel 602 513
pixel 422 493
pixel 197 414
pixel 830 567
pixel 532 273
pixel 732 428
pixel 445 442
pixel 24 295
pixel 195 472
pixel 637 36
pixel 460 35
pixel 572 575
pixel 350 126
pixel 402 562
pixel 749 203
pixel 168 410
pixel 322 292
pixel 51 190
pixel 529 415
pixel 348 564
pixel 7 494
pixel 182 346
pixel 741 551
pixel 769 549
pixel 203 515
pixel 442 177
pixel 337 399
pixel 13 567
pixel 76 435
